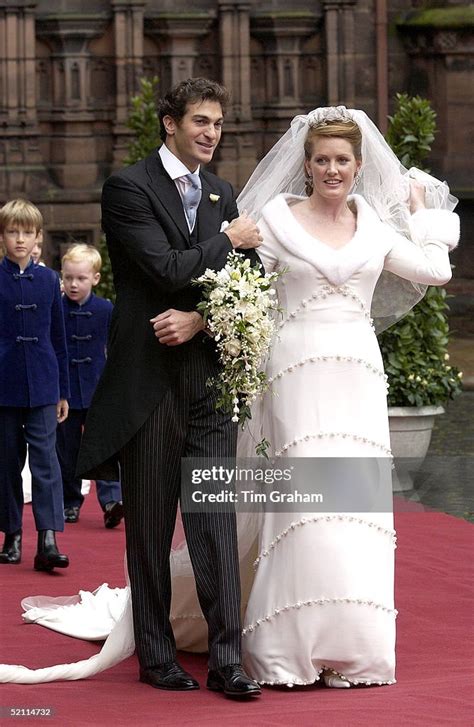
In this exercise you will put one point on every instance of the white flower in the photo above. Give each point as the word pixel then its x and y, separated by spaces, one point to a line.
pixel 251 313
pixel 217 295
pixel 254 336
pixel 233 347
pixel 236 303
pixel 223 276
pixel 245 288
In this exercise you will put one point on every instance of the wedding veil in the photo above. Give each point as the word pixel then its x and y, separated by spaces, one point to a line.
pixel 384 183
pixel 382 180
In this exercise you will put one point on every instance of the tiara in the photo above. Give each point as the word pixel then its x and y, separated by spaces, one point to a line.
pixel 321 116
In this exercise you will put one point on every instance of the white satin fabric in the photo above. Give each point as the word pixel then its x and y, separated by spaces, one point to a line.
pixel 322 596
pixel 322 592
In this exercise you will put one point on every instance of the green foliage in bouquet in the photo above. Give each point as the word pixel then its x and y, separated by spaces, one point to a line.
pixel 415 350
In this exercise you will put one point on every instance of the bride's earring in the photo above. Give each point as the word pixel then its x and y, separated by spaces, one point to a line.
pixel 356 179
pixel 309 185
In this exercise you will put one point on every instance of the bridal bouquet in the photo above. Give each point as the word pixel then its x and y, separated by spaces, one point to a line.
pixel 236 306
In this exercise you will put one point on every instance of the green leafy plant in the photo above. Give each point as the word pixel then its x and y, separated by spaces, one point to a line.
pixel 412 130
pixel 144 122
pixel 416 358
pixel 105 288
pixel 415 350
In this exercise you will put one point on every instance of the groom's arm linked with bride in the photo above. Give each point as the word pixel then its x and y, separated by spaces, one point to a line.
pixel 163 219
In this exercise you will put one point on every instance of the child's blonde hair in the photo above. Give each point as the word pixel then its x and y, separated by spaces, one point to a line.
pixel 80 252
pixel 21 212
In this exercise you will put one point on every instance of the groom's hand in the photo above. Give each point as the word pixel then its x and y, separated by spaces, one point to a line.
pixel 174 327
pixel 243 233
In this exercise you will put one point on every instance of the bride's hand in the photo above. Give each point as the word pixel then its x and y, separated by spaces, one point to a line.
pixel 417 196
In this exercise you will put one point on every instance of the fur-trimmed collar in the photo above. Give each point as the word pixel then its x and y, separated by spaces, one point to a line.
pixel 337 265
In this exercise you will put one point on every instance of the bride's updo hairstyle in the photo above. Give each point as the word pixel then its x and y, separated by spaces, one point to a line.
pixel 333 130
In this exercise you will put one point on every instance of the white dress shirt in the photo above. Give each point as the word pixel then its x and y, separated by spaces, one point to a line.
pixel 177 171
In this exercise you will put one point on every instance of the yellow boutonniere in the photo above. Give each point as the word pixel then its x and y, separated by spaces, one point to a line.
pixel 214 198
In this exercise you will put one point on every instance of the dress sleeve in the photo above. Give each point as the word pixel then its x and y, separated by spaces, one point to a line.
pixel 437 232
pixel 266 251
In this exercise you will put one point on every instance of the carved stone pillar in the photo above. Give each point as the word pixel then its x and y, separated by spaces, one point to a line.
pixel 282 39
pixel 21 168
pixel 340 51
pixel 73 162
pixel 237 156
pixel 178 38
pixel 285 73
pixel 440 44
pixel 441 52
pixel 128 34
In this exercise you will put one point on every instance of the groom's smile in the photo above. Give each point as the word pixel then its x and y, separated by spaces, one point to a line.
pixel 194 138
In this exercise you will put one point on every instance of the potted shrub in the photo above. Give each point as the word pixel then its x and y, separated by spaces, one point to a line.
pixel 415 350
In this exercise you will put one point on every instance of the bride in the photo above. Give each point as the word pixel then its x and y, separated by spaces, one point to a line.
pixel 351 227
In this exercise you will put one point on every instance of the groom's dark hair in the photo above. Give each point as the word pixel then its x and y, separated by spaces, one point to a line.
pixel 190 91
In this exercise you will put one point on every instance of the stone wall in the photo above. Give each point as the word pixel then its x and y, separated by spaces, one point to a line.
pixel 69 67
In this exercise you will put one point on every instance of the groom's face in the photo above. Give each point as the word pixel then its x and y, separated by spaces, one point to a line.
pixel 194 138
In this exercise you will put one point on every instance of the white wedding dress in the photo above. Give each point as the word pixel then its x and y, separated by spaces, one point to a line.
pixel 322 593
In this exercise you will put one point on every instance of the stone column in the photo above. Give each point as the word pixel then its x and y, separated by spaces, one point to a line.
pixel 17 32
pixel 237 157
pixel 128 34
pixel 340 51
pixel 440 44
pixel 72 155
pixel 21 167
pixel 282 38
pixel 441 61
pixel 280 70
pixel 178 38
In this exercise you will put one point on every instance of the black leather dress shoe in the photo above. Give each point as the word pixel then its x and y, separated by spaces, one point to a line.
pixel 11 551
pixel 233 681
pixel 48 555
pixel 169 676
pixel 113 514
pixel 71 514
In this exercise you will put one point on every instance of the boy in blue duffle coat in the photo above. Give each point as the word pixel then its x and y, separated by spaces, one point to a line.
pixel 87 320
pixel 34 387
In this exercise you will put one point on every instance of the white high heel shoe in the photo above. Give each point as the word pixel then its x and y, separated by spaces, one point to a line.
pixel 335 681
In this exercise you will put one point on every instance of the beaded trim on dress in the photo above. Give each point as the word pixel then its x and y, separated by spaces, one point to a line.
pixel 317 602
pixel 333 357
pixel 323 518
pixel 322 294
pixel 332 435
pixel 296 681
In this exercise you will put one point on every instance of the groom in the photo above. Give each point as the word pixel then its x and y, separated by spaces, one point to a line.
pixel 162 218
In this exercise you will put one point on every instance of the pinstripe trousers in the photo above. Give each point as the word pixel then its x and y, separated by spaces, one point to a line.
pixel 184 424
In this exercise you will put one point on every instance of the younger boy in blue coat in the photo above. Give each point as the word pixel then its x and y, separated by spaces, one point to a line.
pixel 34 387
pixel 87 320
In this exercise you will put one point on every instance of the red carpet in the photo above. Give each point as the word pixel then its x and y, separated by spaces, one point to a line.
pixel 434 598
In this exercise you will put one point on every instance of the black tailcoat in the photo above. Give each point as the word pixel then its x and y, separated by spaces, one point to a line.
pixel 153 258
